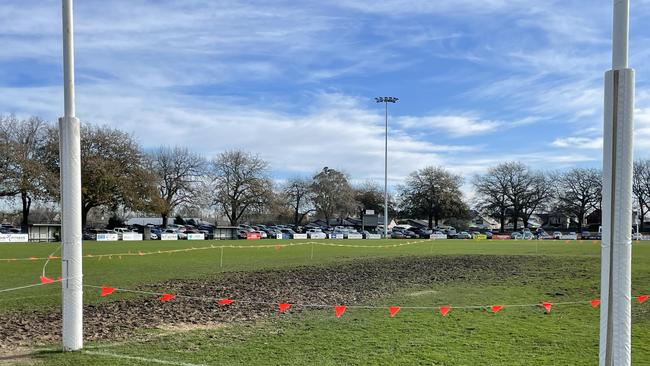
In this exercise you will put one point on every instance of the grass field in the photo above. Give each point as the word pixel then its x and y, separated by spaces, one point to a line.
pixel 514 336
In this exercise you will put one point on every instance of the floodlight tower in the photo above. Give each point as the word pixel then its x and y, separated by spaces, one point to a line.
pixel 616 255
pixel 386 100
pixel 69 146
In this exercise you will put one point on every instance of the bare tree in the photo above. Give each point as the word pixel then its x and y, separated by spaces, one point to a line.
pixel 241 184
pixel 25 173
pixel 492 194
pixel 512 190
pixel 641 188
pixel 540 192
pixel 434 193
pixel 579 192
pixel 178 175
pixel 332 194
pixel 297 193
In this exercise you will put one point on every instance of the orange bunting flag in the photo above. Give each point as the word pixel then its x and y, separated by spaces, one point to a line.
pixel 547 306
pixel 393 310
pixel 284 307
pixel 444 310
pixel 595 303
pixel 642 298
pixel 225 302
pixel 166 297
pixel 107 291
pixel 46 280
pixel 496 308
pixel 340 309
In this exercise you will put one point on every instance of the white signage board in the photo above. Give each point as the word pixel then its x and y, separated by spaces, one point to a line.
pixel 438 236
pixel 299 236
pixel 355 236
pixel 278 236
pixel 194 236
pixel 569 237
pixel 107 237
pixel 168 236
pixel 317 235
pixel 373 236
pixel 131 236
pixel 14 238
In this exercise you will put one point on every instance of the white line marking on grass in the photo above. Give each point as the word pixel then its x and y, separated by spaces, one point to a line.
pixel 144 359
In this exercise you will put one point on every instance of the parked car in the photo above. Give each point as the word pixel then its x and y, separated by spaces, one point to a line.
pixel 180 235
pixel 451 233
pixel 242 234
pixel 87 235
pixel 557 235
pixel 397 234
pixel 516 236
pixel 407 234
pixel 422 233
pixel 528 235
pixel 463 235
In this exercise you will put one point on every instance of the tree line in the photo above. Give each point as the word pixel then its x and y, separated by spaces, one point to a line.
pixel 117 173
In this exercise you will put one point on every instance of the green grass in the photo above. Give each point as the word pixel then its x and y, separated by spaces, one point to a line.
pixel 514 336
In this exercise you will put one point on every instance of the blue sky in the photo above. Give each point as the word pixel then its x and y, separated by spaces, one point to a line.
pixel 479 81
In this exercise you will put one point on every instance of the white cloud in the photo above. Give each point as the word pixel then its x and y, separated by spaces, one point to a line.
pixel 579 142
pixel 453 125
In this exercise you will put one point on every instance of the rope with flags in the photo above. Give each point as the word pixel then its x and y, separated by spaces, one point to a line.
pixel 339 309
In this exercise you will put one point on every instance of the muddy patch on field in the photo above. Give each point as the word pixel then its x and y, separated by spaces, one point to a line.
pixel 257 293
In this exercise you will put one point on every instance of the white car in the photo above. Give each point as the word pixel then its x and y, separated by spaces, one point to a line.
pixel 181 236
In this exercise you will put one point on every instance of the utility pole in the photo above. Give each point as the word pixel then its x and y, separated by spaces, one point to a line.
pixel 69 146
pixel 616 255
pixel 386 100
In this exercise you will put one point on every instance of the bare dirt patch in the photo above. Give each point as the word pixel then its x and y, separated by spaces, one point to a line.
pixel 349 283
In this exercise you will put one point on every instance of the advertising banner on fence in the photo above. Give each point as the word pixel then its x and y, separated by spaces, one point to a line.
pixel 500 237
pixel 355 236
pixel 107 237
pixel 131 236
pixel 573 236
pixel 438 236
pixel 168 236
pixel 14 238
pixel 316 235
pixel 253 236
pixel 373 236
pixel 199 236
pixel 299 236
pixel 480 237
pixel 335 236
pixel 279 236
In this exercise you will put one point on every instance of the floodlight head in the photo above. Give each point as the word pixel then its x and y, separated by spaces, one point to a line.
pixel 386 99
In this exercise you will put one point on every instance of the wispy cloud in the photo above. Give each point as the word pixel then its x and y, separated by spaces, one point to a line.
pixel 579 142
pixel 453 125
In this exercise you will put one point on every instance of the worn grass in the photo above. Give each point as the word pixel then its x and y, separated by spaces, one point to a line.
pixel 514 336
